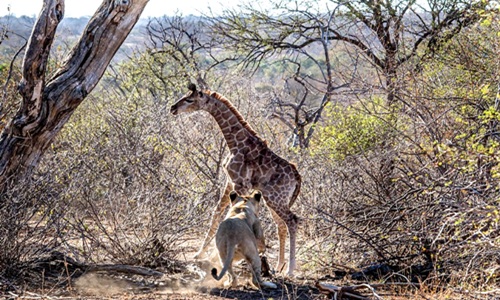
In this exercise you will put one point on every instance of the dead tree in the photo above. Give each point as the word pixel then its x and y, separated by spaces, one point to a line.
pixel 47 104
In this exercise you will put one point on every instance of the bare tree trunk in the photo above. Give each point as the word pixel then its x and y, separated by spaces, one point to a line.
pixel 387 160
pixel 48 104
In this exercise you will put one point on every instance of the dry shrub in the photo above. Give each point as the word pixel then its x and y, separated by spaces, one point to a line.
pixel 438 223
pixel 130 193
pixel 31 228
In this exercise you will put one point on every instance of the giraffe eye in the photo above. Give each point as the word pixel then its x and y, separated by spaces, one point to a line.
pixel 189 100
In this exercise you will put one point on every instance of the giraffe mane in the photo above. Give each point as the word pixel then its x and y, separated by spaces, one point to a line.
pixel 238 115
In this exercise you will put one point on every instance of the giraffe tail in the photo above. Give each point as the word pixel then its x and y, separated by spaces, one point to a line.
pixel 298 179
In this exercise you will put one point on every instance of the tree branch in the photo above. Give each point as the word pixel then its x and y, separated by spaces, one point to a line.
pixel 47 107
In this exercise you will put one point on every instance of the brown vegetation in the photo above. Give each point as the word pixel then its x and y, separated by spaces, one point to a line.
pixel 124 183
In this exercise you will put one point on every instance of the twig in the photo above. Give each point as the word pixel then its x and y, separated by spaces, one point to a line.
pixel 372 289
pixel 339 292
pixel 496 291
pixel 4 94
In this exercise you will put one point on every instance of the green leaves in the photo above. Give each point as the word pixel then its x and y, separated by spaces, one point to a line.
pixel 350 130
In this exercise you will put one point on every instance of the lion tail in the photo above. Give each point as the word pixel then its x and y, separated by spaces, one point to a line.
pixel 227 264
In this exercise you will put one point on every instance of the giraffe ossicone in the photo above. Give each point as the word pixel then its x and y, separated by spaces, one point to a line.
pixel 251 165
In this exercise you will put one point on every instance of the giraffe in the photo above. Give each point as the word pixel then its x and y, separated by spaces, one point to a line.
pixel 251 165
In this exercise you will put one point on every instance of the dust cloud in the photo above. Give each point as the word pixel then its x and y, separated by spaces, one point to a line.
pixel 193 279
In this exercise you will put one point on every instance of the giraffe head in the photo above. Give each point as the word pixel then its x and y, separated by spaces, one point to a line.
pixel 254 200
pixel 191 101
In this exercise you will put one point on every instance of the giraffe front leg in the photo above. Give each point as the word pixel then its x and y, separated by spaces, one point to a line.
pixel 216 218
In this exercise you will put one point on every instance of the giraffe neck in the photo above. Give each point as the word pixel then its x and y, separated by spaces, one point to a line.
pixel 234 129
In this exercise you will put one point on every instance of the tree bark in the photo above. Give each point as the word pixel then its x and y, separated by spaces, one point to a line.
pixel 47 104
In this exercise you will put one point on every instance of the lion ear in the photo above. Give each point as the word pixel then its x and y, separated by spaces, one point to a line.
pixel 192 87
pixel 233 195
pixel 257 196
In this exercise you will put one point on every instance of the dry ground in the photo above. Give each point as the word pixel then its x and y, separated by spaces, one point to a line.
pixel 192 280
pixel 192 283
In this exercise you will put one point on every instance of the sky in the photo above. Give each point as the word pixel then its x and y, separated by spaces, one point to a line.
pixel 79 8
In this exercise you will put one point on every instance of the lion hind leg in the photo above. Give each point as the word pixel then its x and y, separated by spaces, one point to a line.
pixel 256 267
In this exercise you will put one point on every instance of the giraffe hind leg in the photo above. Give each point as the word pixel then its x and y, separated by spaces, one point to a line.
pixel 287 224
pixel 282 234
pixel 291 222
pixel 292 230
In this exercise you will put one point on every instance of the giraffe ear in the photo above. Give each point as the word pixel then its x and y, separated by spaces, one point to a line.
pixel 257 196
pixel 192 87
pixel 233 196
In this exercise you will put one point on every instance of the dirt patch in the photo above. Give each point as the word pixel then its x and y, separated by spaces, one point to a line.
pixel 195 282
pixel 189 279
pixel 95 286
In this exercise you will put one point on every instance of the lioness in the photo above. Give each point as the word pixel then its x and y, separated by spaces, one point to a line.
pixel 240 236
